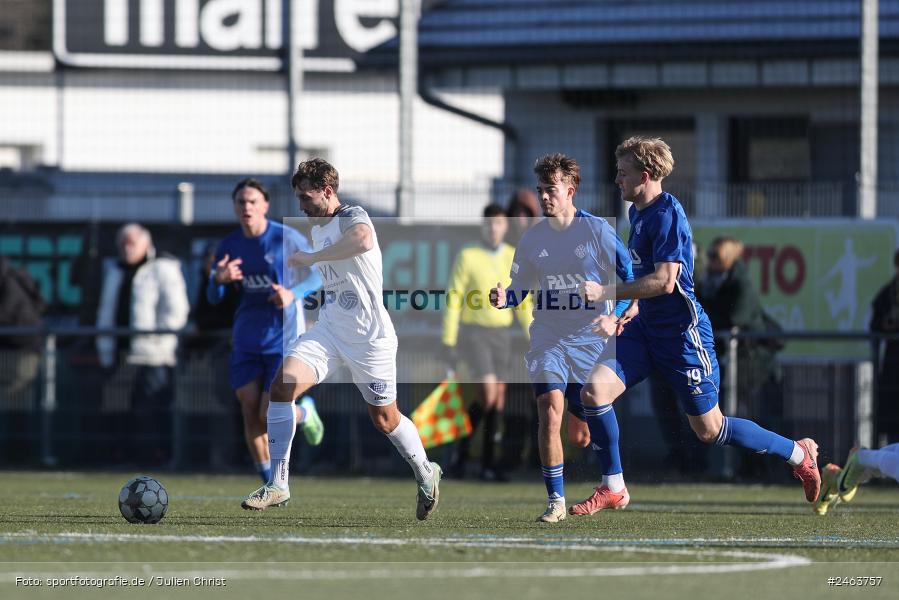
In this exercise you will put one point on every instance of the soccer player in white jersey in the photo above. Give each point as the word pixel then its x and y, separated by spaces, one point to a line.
pixel 353 329
pixel 840 484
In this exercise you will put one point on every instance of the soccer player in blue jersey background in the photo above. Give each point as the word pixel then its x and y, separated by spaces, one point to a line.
pixel 671 335
pixel 567 248
pixel 252 259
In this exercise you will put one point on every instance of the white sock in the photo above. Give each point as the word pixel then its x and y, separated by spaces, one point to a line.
pixel 614 482
pixel 798 455
pixel 281 427
pixel 407 442
pixel 883 463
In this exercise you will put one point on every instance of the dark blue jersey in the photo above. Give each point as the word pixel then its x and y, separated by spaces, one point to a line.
pixel 660 233
pixel 553 263
pixel 259 326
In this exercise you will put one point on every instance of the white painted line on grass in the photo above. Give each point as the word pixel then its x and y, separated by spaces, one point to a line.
pixel 745 560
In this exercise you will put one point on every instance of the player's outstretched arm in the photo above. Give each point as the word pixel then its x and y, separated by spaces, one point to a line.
pixel 660 282
pixel 356 240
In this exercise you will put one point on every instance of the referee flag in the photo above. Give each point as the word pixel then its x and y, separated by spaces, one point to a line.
pixel 441 417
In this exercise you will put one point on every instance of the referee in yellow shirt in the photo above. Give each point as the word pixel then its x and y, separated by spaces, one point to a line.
pixel 484 337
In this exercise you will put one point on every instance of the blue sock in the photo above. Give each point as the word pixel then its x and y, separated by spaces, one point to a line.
pixel 603 425
pixel 264 469
pixel 748 434
pixel 555 481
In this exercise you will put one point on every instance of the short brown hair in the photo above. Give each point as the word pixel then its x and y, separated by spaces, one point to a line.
pixel 318 172
pixel 728 249
pixel 548 165
pixel 652 155
pixel 249 182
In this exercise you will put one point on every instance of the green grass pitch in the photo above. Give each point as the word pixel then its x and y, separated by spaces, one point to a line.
pixel 358 538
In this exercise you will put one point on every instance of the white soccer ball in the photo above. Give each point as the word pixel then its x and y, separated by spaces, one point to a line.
pixel 143 500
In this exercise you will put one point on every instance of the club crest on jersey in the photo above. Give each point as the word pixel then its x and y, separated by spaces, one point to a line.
pixel 378 386
pixel 269 258
pixel 348 300
pixel 638 227
pixel 580 251
pixel 327 243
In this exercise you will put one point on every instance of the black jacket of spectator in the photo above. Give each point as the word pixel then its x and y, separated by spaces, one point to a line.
pixel 21 304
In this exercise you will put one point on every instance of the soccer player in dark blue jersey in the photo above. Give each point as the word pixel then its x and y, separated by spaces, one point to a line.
pixel 671 334
pixel 268 313
pixel 566 249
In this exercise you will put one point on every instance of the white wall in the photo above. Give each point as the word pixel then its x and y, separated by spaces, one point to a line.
pixel 236 123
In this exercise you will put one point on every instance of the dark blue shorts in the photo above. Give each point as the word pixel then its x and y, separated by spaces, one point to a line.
pixel 248 366
pixel 563 367
pixel 685 358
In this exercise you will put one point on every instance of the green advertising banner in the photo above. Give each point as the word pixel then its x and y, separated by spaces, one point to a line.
pixel 814 275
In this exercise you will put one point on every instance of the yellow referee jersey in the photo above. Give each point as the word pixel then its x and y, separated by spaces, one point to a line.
pixel 478 269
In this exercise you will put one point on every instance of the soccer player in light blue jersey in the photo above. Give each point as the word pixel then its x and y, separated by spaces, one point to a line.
pixel 567 248
pixel 671 335
pixel 252 259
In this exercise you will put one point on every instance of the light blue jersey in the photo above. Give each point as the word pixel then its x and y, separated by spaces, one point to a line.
pixel 259 326
pixel 557 262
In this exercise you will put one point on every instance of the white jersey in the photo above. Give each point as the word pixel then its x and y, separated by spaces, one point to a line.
pixel 353 309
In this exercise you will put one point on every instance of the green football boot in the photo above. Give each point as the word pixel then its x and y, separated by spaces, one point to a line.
pixel 312 427
pixel 429 494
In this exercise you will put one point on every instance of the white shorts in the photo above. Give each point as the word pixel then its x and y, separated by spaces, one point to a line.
pixel 372 363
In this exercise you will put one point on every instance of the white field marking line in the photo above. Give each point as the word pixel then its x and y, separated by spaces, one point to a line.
pixel 472 541
pixel 768 561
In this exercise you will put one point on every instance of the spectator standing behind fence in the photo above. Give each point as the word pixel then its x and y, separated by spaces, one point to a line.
pixel 484 335
pixel 210 349
pixel 252 261
pixel 885 319
pixel 730 300
pixel 686 453
pixel 522 212
pixel 146 291
pixel 21 305
pixel 520 421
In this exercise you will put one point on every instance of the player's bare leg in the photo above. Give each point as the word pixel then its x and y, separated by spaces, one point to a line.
pixel 293 379
pixel 250 397
pixel 550 407
pixel 578 432
pixel 404 436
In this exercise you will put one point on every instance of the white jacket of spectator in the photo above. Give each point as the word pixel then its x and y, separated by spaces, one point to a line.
pixel 158 301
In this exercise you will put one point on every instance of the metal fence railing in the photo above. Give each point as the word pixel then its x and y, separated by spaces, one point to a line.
pixel 60 408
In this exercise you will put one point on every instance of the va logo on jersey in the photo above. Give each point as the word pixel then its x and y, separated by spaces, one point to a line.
pixel 348 300
pixel 635 258
pixel 328 272
pixel 580 251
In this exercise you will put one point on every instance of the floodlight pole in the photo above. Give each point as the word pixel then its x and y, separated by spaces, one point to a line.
pixel 294 67
pixel 865 382
pixel 408 84
pixel 867 188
